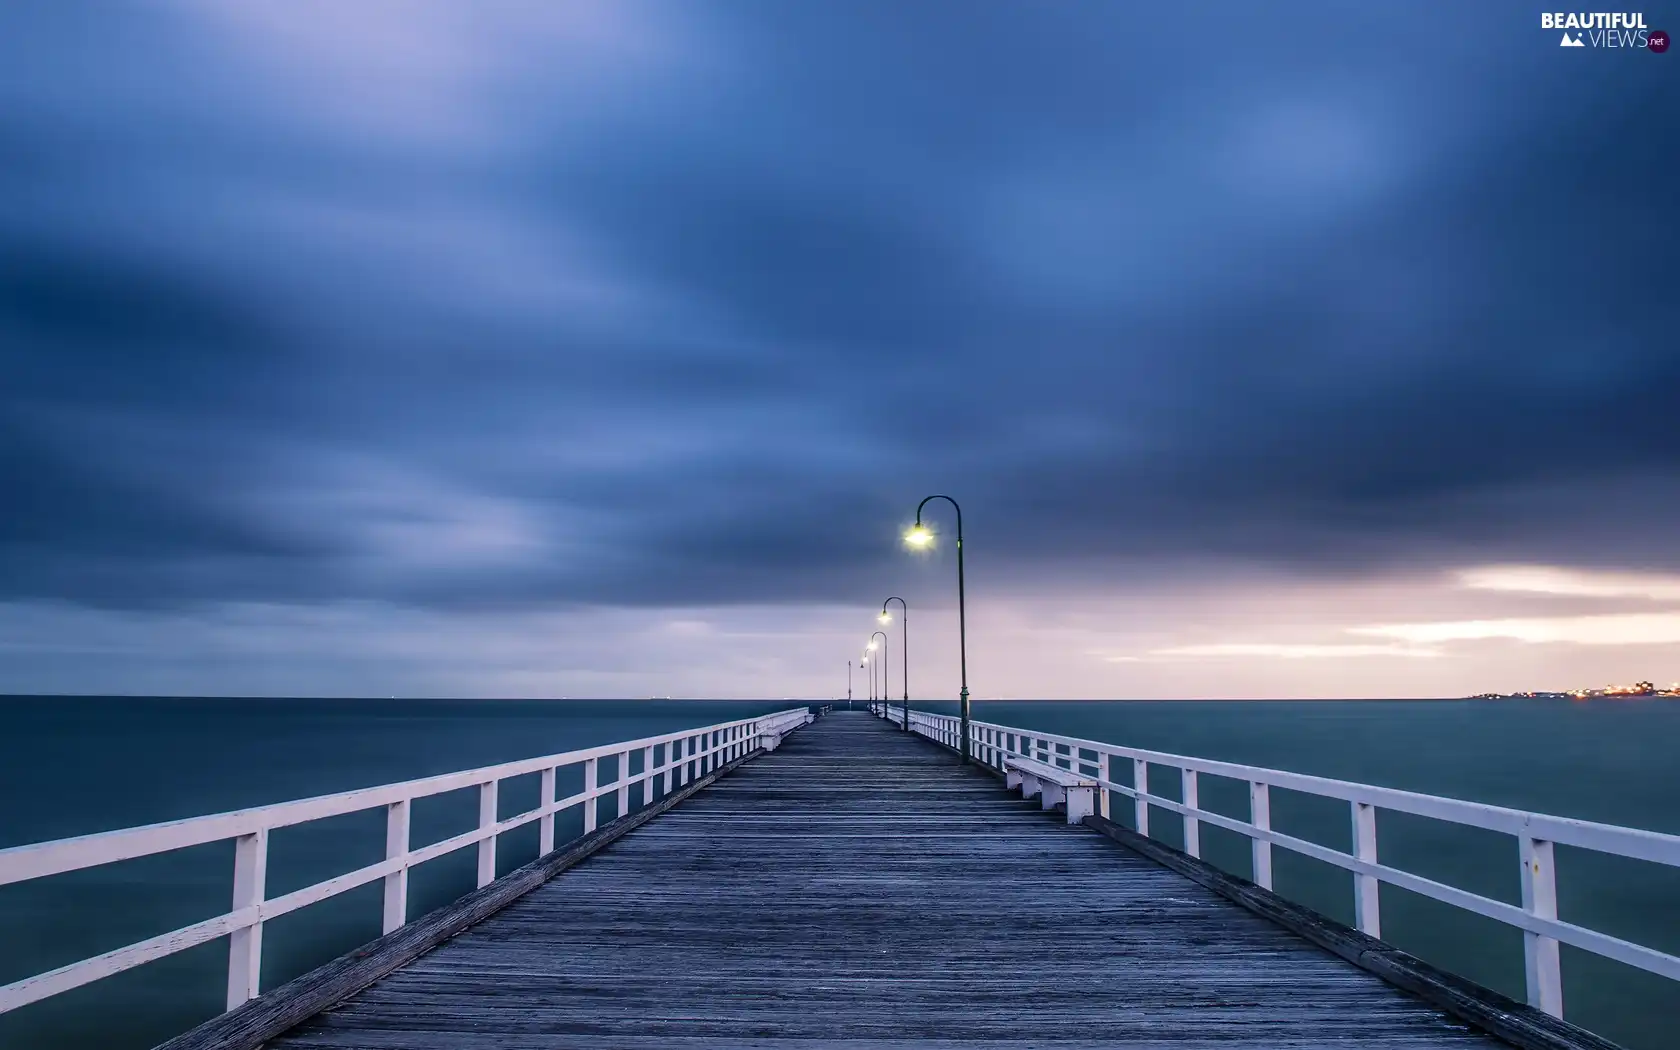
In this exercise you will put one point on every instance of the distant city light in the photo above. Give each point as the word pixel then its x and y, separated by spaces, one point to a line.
pixel 1637 689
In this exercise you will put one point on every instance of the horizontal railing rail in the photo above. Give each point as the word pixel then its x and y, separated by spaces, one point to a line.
pixel 683 756
pixel 1536 834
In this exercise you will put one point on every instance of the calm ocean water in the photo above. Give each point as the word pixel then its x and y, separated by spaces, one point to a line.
pixel 72 766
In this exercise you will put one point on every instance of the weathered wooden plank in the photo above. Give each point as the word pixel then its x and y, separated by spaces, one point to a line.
pixel 258 1020
pixel 857 887
pixel 1516 1023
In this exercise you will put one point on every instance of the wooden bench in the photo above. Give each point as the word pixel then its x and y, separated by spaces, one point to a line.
pixel 770 734
pixel 1053 785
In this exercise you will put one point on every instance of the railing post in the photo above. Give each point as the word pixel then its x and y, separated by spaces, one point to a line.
pixel 1140 784
pixel 1540 953
pixel 1260 815
pixel 623 783
pixel 1192 826
pixel 250 876
pixel 647 775
pixel 1367 914
pixel 591 804
pixel 396 883
pixel 545 825
pixel 1103 773
pixel 487 846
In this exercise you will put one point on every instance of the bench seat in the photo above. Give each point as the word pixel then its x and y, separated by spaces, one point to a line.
pixel 770 734
pixel 1053 785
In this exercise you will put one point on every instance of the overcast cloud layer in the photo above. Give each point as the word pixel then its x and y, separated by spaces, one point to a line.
pixel 522 332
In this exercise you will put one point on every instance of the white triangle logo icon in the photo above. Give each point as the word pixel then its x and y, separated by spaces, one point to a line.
pixel 1569 41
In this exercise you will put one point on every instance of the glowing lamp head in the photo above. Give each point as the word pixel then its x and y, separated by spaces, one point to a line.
pixel 873 645
pixel 885 617
pixel 919 536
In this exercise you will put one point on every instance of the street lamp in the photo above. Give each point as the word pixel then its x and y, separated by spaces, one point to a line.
pixel 885 665
pixel 903 647
pixel 848 685
pixel 864 662
pixel 921 537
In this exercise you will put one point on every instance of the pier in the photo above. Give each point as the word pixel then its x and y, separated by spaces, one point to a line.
pixel 825 878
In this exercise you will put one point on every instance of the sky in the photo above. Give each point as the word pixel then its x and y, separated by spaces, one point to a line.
pixel 606 349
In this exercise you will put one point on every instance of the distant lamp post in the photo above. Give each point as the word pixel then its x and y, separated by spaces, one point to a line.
pixel 848 685
pixel 904 648
pixel 864 662
pixel 886 694
pixel 920 537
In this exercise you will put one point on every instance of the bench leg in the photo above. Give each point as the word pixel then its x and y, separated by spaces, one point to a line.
pixel 1012 780
pixel 770 741
pixel 1081 803
pixel 1053 793
pixel 1029 785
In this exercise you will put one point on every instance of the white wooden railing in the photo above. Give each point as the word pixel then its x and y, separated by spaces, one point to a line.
pixel 1536 833
pixel 684 756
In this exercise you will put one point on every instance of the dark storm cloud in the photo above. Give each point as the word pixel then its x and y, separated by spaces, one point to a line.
pixel 457 318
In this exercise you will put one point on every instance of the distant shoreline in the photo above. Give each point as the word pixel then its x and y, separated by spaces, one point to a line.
pixel 766 700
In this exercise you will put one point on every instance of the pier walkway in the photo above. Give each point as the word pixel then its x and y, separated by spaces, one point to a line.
pixel 856 887
pixel 816 878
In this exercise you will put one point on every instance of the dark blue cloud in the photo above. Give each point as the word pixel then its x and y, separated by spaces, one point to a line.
pixel 612 304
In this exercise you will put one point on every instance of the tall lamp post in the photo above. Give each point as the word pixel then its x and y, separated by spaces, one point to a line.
pixel 920 536
pixel 848 685
pixel 886 694
pixel 904 648
pixel 864 662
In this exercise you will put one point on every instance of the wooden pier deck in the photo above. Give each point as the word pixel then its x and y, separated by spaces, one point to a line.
pixel 853 888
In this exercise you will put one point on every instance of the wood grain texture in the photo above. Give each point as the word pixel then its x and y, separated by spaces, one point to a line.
pixel 253 1023
pixel 857 888
pixel 1516 1023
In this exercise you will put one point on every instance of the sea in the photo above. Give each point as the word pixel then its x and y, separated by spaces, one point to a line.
pixel 78 765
